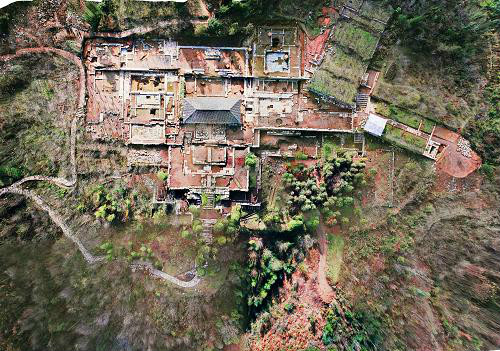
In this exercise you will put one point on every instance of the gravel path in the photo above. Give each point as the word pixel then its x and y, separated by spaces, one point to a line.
pixel 16 188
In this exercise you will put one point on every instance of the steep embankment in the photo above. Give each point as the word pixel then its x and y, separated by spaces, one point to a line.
pixel 431 271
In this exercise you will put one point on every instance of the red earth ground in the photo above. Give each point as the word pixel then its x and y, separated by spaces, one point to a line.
pixel 451 161
pixel 325 291
pixel 292 330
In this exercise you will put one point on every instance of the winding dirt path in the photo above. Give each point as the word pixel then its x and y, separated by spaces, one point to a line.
pixel 65 54
pixel 145 29
pixel 148 267
pixel 325 291
pixel 16 188
pixel 57 219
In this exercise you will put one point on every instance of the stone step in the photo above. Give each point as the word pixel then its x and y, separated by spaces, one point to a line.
pixel 359 137
pixel 210 201
pixel 208 225
pixel 361 101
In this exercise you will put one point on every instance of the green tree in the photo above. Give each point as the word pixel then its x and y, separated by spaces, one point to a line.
pixel 215 27
pixel 250 160
pixel 219 227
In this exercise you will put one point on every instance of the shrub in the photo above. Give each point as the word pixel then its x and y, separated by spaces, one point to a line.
pixel 219 227
pixel 299 155
pixel 429 209
pixel 450 329
pixel 271 218
pixel 215 27
pixel 372 172
pixel 158 265
pixel 345 221
pixel 195 211
pixel 162 176
pixel 303 268
pixel 252 180
pixel 359 330
pixel 231 230
pixel 488 170
pixel 221 240
pixel 235 214
pixel 250 160
pixel 420 293
pixel 295 224
pixel 11 172
pixel 288 178
pixel 109 203
pixel 204 199
pixel 312 223
pixel 391 72
pixel 289 307
pixel 197 229
pixel 234 29
pixel 93 14
pixel 107 248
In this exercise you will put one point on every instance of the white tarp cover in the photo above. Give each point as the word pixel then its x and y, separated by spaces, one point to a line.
pixel 375 125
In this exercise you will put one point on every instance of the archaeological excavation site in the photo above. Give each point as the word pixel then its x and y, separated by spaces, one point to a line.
pixel 248 175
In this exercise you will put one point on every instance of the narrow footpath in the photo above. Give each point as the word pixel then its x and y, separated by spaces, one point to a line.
pixel 141 30
pixel 16 188
pixel 325 291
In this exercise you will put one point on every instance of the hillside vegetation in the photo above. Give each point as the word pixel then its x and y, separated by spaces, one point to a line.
pixel 412 255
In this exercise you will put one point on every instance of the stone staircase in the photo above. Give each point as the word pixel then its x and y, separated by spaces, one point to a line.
pixel 361 101
pixel 359 138
pixel 207 224
pixel 210 201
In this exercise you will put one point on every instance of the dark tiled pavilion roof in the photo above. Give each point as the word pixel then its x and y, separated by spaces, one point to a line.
pixel 212 110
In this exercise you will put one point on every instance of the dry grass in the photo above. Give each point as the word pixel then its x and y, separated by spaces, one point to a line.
pixel 415 85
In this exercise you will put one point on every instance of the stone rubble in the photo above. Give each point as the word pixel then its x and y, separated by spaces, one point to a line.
pixel 463 146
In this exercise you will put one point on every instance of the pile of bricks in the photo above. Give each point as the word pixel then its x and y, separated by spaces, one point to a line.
pixel 144 157
pixel 463 146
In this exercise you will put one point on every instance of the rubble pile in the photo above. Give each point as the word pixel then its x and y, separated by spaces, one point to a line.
pixel 463 146
pixel 145 157
pixel 47 9
pixel 363 120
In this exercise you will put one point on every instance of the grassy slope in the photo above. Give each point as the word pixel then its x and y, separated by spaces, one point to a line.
pixel 54 298
pixel 36 106
pixel 417 84
pixel 334 258
pixel 429 271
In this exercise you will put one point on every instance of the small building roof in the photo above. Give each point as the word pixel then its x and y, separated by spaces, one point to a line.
pixel 375 125
pixel 212 110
